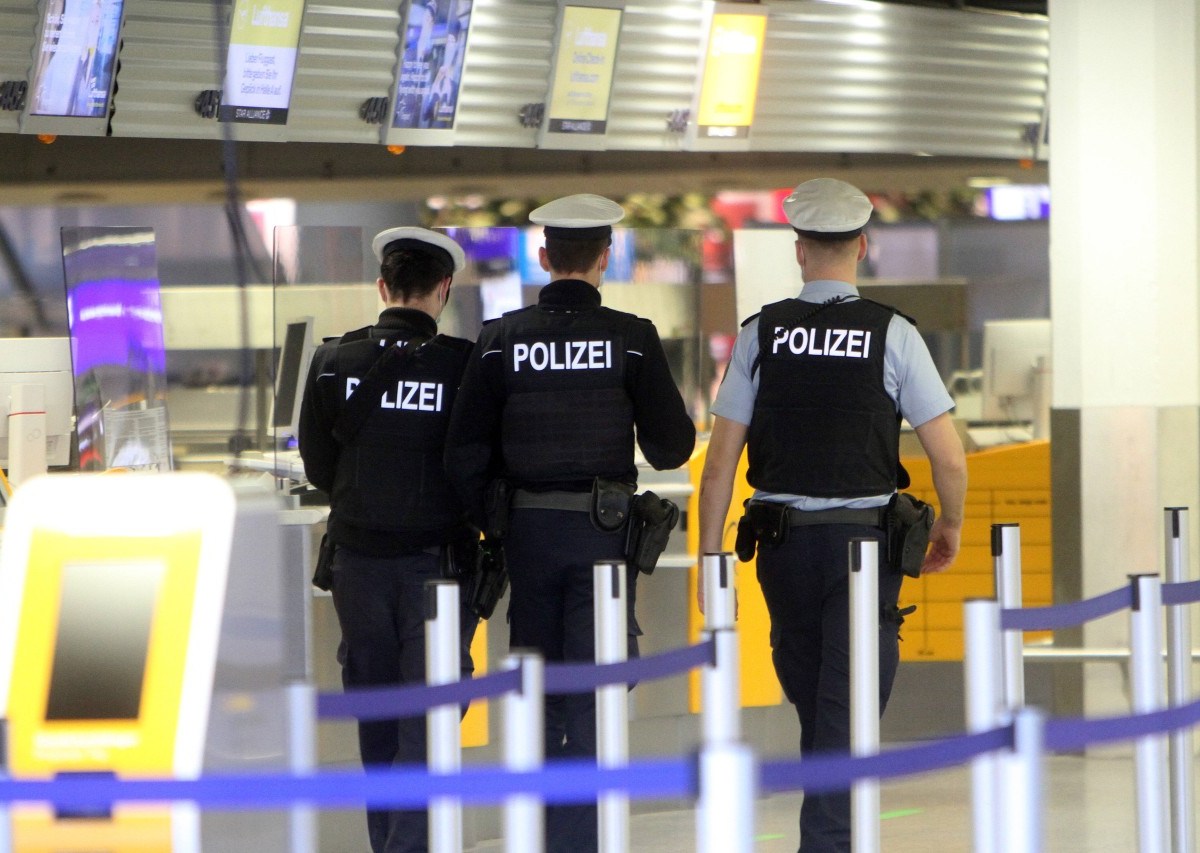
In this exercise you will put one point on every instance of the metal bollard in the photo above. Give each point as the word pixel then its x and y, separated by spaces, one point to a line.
pixel 1006 559
pixel 985 689
pixel 524 751
pixel 864 687
pixel 720 596
pixel 1150 752
pixel 302 760
pixel 612 705
pixel 1179 684
pixel 725 811
pixel 443 665
pixel 719 686
pixel 1023 784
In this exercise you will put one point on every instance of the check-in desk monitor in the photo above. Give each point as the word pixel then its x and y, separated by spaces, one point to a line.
pixel 294 357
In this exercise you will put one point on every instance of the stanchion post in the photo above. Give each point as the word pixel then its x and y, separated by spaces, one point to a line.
pixel 524 751
pixel 5 823
pixel 1150 753
pixel 985 689
pixel 443 666
pixel 719 687
pixel 1006 559
pixel 1179 684
pixel 728 788
pixel 612 706
pixel 302 760
pixel 864 687
pixel 720 597
pixel 1024 782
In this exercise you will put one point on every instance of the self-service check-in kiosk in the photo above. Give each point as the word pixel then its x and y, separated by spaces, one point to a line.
pixel 142 635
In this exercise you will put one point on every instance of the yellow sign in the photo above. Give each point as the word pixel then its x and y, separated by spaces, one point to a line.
pixel 583 70
pixel 730 85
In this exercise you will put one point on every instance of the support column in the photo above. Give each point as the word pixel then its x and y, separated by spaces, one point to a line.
pixel 1123 291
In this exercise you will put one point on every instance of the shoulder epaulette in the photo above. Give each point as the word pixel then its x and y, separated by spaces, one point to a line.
pixel 357 335
pixel 891 308
pixel 750 319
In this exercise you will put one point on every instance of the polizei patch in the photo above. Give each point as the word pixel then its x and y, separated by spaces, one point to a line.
pixel 562 355
pixel 838 343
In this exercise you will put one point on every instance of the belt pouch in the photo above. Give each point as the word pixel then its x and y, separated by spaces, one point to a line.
pixel 323 574
pixel 769 521
pixel 610 504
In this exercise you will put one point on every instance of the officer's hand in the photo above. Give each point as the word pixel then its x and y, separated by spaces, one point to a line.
pixel 944 539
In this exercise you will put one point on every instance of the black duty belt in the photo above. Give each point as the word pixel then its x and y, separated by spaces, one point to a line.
pixel 573 501
pixel 871 517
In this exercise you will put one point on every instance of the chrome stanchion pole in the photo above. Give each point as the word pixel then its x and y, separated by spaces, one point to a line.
pixel 985 689
pixel 1150 752
pixel 1179 685
pixel 443 666
pixel 1023 782
pixel 612 705
pixel 864 687
pixel 719 689
pixel 302 760
pixel 728 788
pixel 1006 559
pixel 6 843
pixel 720 601
pixel 524 751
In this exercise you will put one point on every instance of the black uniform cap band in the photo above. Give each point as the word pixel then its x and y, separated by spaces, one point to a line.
pixel 828 236
pixel 414 245
pixel 557 232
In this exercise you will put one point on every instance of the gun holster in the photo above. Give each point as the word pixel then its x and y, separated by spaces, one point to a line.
pixel 651 520
pixel 490 581
pixel 909 521
pixel 323 573
pixel 460 558
pixel 611 501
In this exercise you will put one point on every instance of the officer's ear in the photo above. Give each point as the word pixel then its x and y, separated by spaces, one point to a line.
pixel 384 296
pixel 800 252
pixel 604 258
pixel 543 258
pixel 862 246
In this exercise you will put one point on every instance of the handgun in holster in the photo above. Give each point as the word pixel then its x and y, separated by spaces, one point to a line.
pixel 323 573
pixel 490 581
pixel 651 520
pixel 909 521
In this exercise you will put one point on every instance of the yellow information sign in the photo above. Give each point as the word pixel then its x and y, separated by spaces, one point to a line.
pixel 730 84
pixel 583 70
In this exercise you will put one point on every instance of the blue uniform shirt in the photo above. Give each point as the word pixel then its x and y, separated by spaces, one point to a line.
pixel 909 375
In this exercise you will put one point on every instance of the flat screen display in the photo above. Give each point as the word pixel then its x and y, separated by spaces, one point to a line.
pixel 261 62
pixel 90 680
pixel 430 64
pixel 76 58
pixel 729 88
pixel 583 70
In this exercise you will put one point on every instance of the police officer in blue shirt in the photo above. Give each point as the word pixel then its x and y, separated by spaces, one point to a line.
pixel 549 405
pixel 815 391
pixel 372 425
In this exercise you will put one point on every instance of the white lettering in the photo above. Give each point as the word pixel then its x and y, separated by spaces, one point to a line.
pixel 781 336
pixel 520 354
pixel 854 343
pixel 539 349
pixel 839 335
pixel 842 343
pixel 415 397
pixel 563 355
pixel 351 384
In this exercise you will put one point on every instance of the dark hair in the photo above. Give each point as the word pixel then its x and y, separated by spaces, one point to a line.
pixel 411 273
pixel 574 255
pixel 824 247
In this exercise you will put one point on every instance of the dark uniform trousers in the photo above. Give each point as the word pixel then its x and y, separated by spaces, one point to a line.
pixel 806 585
pixel 550 556
pixel 380 603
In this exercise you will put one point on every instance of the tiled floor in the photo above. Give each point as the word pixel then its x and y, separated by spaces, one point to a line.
pixel 1089 809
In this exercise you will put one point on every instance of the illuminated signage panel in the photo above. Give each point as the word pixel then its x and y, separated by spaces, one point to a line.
pixel 76 59
pixel 583 70
pixel 263 41
pixel 430 64
pixel 730 83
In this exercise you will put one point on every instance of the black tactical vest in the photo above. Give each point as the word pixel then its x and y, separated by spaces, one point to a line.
pixel 390 476
pixel 823 423
pixel 567 415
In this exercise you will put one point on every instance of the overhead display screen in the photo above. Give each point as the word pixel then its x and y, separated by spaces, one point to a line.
pixel 583 70
pixel 263 40
pixel 430 64
pixel 76 58
pixel 729 86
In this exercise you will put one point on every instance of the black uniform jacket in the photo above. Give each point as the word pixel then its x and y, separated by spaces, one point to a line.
pixel 476 443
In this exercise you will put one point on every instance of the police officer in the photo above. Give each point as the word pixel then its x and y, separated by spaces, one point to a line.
pixel 372 426
pixel 815 391
pixel 549 405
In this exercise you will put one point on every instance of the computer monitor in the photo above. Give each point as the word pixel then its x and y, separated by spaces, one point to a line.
pixel 45 362
pixel 294 357
pixel 1016 360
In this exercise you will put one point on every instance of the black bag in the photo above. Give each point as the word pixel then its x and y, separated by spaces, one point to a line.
pixel 323 574
pixel 651 520
pixel 490 581
pixel 909 521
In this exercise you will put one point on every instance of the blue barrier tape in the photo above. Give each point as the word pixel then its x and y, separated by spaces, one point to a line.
pixel 1187 592
pixel 558 782
pixel 586 677
pixel 1065 615
pixel 819 773
pixel 387 703
pixel 1072 735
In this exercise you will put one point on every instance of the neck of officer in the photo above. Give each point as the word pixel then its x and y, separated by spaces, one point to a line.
pixel 594 276
pixel 431 304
